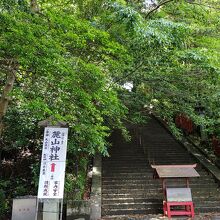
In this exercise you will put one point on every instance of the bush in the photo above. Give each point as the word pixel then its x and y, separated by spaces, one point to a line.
pixel 4 204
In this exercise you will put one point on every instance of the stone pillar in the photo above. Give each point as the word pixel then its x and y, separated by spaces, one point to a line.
pixel 51 210
pixel 96 191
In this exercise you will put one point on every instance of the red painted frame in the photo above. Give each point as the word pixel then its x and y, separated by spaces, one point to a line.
pixel 189 208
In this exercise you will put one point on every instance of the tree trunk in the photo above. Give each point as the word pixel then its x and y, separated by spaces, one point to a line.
pixel 5 97
pixel 34 6
pixel 3 107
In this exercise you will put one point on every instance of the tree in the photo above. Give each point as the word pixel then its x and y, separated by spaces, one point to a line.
pixel 62 67
pixel 173 61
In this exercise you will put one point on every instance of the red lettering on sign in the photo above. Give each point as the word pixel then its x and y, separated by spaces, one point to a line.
pixel 53 167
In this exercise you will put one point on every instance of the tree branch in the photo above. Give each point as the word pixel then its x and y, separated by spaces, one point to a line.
pixel 157 7
pixel 128 74
pixel 187 1
pixel 208 6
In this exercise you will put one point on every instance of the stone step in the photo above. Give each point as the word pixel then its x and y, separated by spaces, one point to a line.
pixel 199 201
pixel 159 196
pixel 130 217
pixel 130 200
pixel 125 155
pixel 146 180
pixel 161 150
pixel 206 204
pixel 196 192
pixel 118 180
pixel 120 168
pixel 128 187
pixel 131 195
pixel 170 160
pixel 124 178
pixel 210 193
pixel 128 174
pixel 158 186
pixel 126 151
pixel 136 205
pixel 150 208
pixel 154 204
pixel 130 211
pixel 167 152
pixel 141 171
pixel 204 209
pixel 123 158
pixel 127 161
pixel 129 165
pixel 130 191
pixel 115 178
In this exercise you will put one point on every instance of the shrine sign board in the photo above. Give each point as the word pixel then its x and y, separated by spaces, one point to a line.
pixel 53 163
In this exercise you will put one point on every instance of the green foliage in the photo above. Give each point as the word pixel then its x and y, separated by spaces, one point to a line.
pixel 4 204
pixel 65 66
pixel 35 174
pixel 75 182
pixel 19 187
pixel 175 66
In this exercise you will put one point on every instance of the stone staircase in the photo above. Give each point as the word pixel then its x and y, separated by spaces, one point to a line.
pixel 128 187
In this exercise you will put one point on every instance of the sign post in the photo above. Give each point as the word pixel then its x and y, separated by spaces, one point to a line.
pixel 52 171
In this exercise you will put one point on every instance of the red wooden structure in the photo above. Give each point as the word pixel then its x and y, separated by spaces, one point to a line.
pixel 176 197
pixel 185 123
pixel 216 146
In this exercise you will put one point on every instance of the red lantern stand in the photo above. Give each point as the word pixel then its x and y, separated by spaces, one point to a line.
pixel 174 197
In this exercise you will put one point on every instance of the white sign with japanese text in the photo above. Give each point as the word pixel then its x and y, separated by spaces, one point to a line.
pixel 53 163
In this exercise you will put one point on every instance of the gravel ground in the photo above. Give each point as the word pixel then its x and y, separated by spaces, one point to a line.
pixel 207 216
